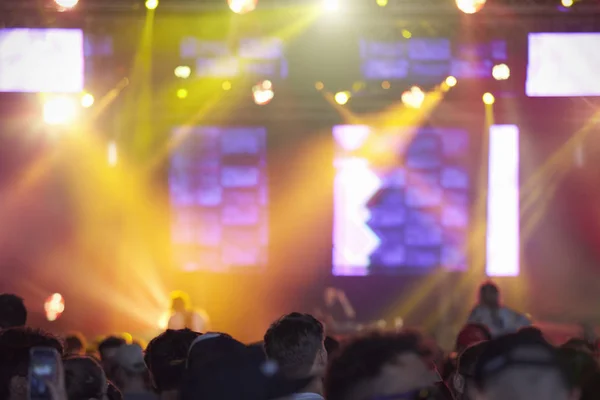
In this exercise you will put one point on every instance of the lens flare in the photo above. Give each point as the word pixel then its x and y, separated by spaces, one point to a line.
pixel 54 306
pixel 341 98
pixel 489 99
pixel 66 3
pixel 501 72
pixel 451 81
pixel 87 100
pixel 183 72
pixel 470 6
pixel 60 110
pixel 242 6
pixel 263 93
pixel 151 4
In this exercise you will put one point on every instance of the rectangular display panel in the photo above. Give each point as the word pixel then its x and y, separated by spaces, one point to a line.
pixel 401 200
pixel 41 60
pixel 218 192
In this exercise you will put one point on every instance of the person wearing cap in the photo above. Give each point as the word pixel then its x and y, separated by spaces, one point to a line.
pixel 130 373
pixel 490 312
pixel 521 367
pixel 297 343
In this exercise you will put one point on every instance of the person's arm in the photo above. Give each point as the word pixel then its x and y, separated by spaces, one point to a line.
pixel 346 305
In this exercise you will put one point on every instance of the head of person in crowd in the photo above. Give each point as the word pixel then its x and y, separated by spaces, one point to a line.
pixel 12 311
pixel 75 344
pixel 532 330
pixel 470 334
pixel 130 371
pixel 380 365
pixel 521 367
pixel 107 350
pixel 579 344
pixel 297 343
pixel 166 356
pixel 84 378
pixel 15 346
pixel 221 368
pixel 463 385
pixel 489 295
pixel 580 365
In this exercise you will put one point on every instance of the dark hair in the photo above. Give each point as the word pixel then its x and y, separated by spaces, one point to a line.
pixel 12 311
pixel 74 343
pixel 15 345
pixel 363 358
pixel 111 342
pixel 331 345
pixel 84 378
pixel 294 341
pixel 166 357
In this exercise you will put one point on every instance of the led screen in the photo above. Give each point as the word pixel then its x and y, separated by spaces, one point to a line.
pixel 563 65
pixel 41 60
pixel 401 202
pixel 218 192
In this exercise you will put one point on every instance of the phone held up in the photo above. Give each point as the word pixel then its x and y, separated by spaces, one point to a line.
pixel 43 367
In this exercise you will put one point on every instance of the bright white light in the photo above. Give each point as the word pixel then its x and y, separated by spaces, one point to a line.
pixel 488 99
pixel 66 3
pixel 413 98
pixel 501 72
pixel 502 238
pixel 567 3
pixel 183 72
pixel 331 5
pixel 242 6
pixel 342 98
pixel 451 81
pixel 113 155
pixel 470 6
pixel 54 306
pixel 151 4
pixel 87 100
pixel 60 110
pixel 263 93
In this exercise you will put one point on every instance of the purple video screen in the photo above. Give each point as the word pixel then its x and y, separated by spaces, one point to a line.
pixel 41 60
pixel 563 65
pixel 219 198
pixel 401 200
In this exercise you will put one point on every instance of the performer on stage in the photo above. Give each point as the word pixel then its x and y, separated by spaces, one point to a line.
pixel 184 316
pixel 499 319
pixel 337 312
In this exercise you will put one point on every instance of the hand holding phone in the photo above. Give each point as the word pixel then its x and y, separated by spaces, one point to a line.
pixel 46 375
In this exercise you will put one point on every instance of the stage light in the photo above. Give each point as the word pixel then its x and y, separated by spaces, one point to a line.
pixel 382 3
pixel 567 3
pixel 66 3
pixel 386 85
pixel 54 306
pixel 470 6
pixel 242 6
pixel 60 110
pixel 226 85
pixel 263 93
pixel 451 81
pixel 182 93
pixel 183 72
pixel 112 153
pixel 406 34
pixel 341 98
pixel 331 5
pixel 414 97
pixel 319 86
pixel 489 99
pixel 501 72
pixel 87 100
pixel 151 4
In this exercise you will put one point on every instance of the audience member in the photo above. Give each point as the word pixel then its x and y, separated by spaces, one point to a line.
pixel 463 379
pixel 297 343
pixel 84 379
pixel 380 365
pixel 166 357
pixel 471 334
pixel 13 313
pixel 75 344
pixel 15 346
pixel 130 372
pixel 184 316
pixel 107 349
pixel 521 367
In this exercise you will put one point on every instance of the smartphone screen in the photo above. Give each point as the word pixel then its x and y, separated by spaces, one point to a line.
pixel 43 367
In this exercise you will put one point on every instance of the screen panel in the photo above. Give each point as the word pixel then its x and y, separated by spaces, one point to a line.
pixel 41 60
pixel 219 199
pixel 401 202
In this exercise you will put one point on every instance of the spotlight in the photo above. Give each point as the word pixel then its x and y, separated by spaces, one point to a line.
pixel 183 72
pixel 414 97
pixel 263 93
pixel 112 153
pixel 567 3
pixel 470 6
pixel 54 306
pixel 182 93
pixel 151 4
pixel 385 85
pixel 451 81
pixel 87 100
pixel 242 6
pixel 319 85
pixel 226 85
pixel 60 110
pixel 501 72
pixel 341 98
pixel 66 4
pixel 331 5
pixel 382 3
pixel 489 99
